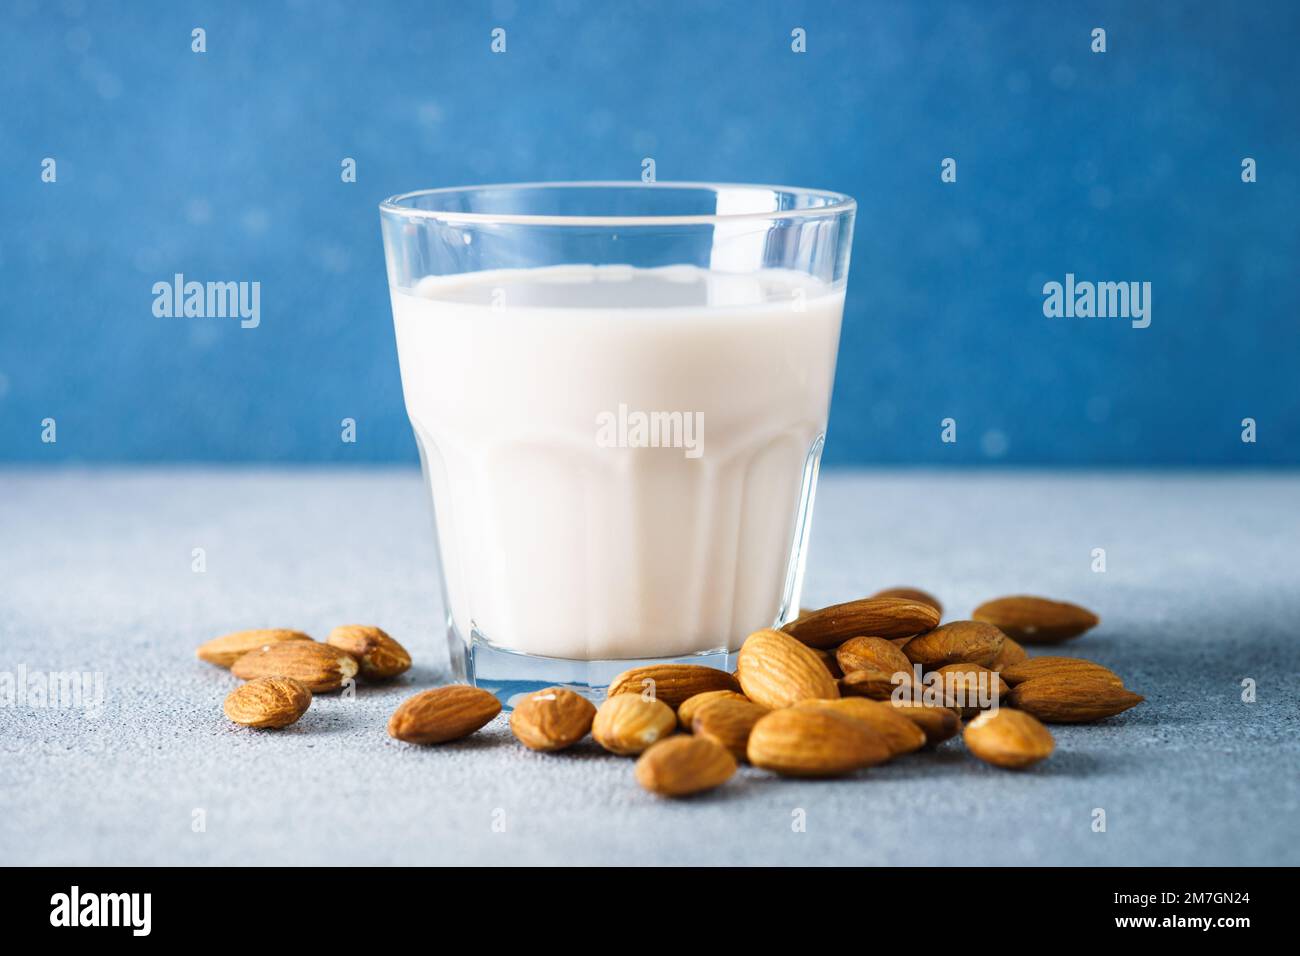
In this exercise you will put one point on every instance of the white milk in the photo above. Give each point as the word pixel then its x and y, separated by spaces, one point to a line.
pixel 553 542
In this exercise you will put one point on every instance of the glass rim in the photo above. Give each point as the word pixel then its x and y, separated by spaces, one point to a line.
pixel 836 204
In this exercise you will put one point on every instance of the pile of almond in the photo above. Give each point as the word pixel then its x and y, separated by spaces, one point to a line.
pixel 834 691
pixel 283 668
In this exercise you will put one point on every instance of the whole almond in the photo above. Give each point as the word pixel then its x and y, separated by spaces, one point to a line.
pixel 1036 620
pixel 379 656
pixel 814 742
pixel 442 714
pixel 320 666
pixel 1057 666
pixel 552 719
pixel 691 705
pixel 671 683
pixel 875 685
pixel 1008 738
pixel 267 702
pixel 880 617
pixel 939 723
pixel 1011 653
pixel 871 654
pixel 1072 699
pixel 627 724
pixel 972 688
pixel 961 642
pixel 912 594
pixel 228 648
pixel 902 735
pixel 728 722
pixel 681 766
pixel 775 670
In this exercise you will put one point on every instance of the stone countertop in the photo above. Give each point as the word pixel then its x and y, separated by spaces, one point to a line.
pixel 97 575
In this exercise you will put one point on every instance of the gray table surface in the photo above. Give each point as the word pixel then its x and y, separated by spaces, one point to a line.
pixel 1199 593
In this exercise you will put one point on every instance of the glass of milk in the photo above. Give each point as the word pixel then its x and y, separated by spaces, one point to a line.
pixel 620 394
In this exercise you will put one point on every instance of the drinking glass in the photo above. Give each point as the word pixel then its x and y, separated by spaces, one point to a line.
pixel 620 394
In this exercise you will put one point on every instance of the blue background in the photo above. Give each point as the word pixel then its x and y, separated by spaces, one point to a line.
pixel 225 166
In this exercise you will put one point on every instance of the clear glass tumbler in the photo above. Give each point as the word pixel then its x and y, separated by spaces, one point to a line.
pixel 620 394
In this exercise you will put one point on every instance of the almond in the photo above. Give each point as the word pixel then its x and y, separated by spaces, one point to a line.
pixel 671 683
pixel 268 702
pixel 902 735
pixel 1072 699
pixel 627 724
pixel 1036 620
pixel 912 594
pixel 1011 653
pixel 378 655
pixel 879 617
pixel 775 671
pixel 225 650
pixel 939 723
pixel 552 719
pixel 814 742
pixel 971 688
pixel 1033 667
pixel 319 666
pixel 1008 738
pixel 442 714
pixel 728 722
pixel 691 706
pixel 871 654
pixel 680 766
pixel 961 642
pixel 876 685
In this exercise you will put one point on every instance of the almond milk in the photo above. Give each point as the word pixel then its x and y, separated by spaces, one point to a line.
pixel 618 456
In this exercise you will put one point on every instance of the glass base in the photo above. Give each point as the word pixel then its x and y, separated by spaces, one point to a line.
pixel 510 676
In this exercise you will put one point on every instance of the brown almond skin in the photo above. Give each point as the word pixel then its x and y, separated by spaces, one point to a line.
pixel 271 702
pixel 627 724
pixel 1036 620
pixel 1071 699
pixel 228 648
pixel 962 686
pixel 871 654
pixel 681 766
pixel 912 594
pixel 442 714
pixel 1008 738
pixel 728 723
pixel 814 742
pixel 880 617
pixel 1011 654
pixel 775 670
pixel 902 735
pixel 552 719
pixel 939 723
pixel 829 659
pixel 1057 666
pixel 673 684
pixel 378 655
pixel 321 667
pixel 961 642
pixel 875 685
pixel 691 706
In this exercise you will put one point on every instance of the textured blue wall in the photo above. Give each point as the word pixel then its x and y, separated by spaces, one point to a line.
pixel 1117 166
